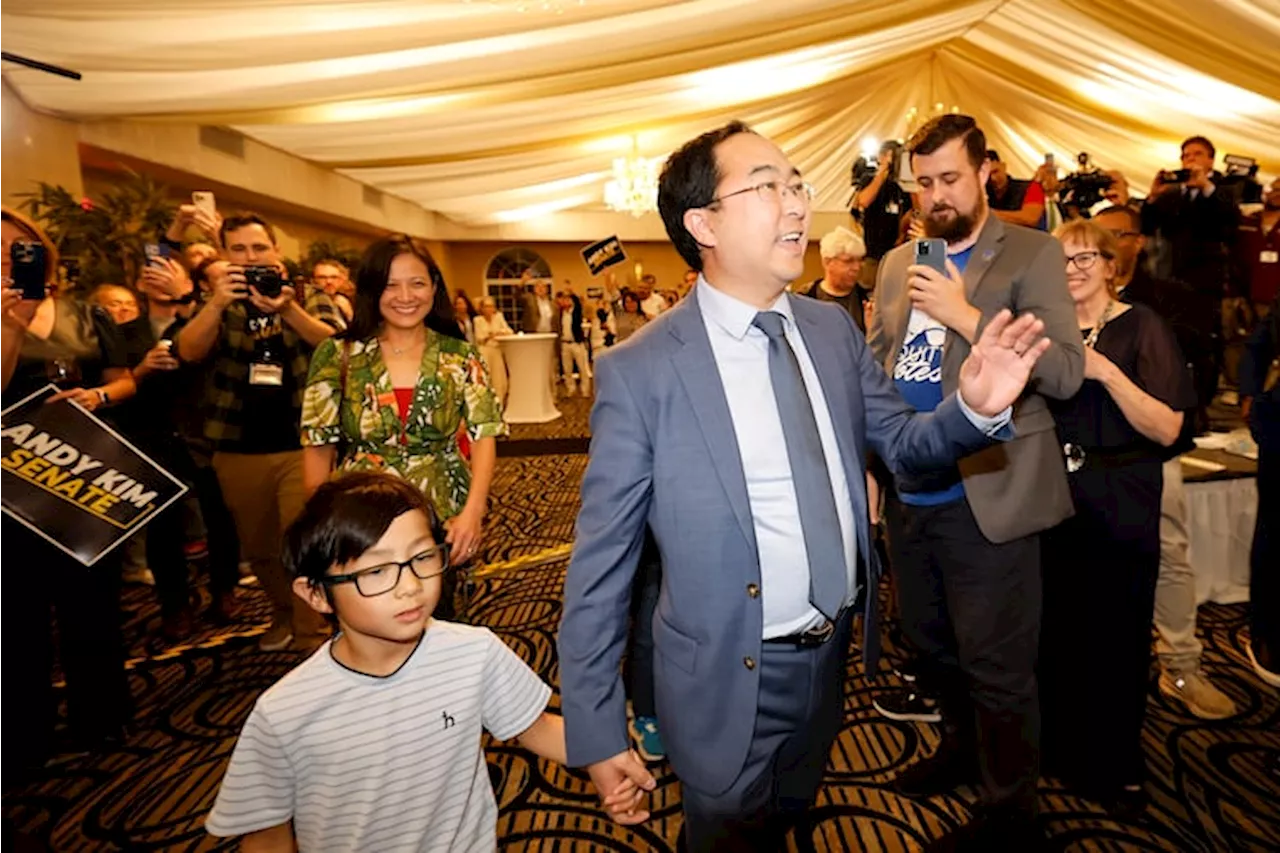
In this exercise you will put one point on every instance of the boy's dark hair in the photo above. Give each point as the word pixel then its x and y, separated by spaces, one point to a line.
pixel 236 221
pixel 1200 140
pixel 346 517
pixel 940 130
pixel 688 181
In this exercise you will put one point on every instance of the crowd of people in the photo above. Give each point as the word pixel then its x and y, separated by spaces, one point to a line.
pixel 1003 427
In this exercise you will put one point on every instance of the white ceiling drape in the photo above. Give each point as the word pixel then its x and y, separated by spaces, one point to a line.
pixel 489 115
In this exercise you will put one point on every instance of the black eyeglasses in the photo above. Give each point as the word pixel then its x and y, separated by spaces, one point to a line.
pixel 381 579
pixel 1084 260
pixel 772 191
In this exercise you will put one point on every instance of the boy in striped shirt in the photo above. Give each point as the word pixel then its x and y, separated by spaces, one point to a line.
pixel 373 743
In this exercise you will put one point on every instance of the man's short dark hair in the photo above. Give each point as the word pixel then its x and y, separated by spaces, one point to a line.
pixel 236 221
pixel 346 517
pixel 993 155
pixel 1200 140
pixel 688 181
pixel 1135 218
pixel 940 130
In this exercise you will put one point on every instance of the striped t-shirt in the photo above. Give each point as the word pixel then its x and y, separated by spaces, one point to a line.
pixel 359 762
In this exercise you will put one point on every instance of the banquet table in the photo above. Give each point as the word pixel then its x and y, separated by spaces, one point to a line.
pixel 1222 506
pixel 528 358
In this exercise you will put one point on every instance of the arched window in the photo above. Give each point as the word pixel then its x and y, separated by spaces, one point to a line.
pixel 502 279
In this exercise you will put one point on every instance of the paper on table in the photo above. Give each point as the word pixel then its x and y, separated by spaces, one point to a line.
pixel 1203 464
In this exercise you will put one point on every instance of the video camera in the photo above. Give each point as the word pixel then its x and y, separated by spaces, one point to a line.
pixel 1084 188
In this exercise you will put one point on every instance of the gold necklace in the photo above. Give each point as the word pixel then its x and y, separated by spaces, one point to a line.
pixel 1092 337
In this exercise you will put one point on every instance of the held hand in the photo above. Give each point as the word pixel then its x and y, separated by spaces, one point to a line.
pixel 1000 363
pixel 1096 365
pixel 464 532
pixel 166 278
pixel 625 778
pixel 268 305
pixel 87 398
pixel 157 358
pixel 209 224
pixel 1200 179
pixel 940 296
pixel 16 312
pixel 229 286
pixel 183 218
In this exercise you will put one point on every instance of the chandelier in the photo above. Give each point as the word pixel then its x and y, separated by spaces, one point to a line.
pixel 634 188
pixel 554 6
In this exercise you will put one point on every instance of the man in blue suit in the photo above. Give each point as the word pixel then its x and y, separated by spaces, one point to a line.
pixel 735 426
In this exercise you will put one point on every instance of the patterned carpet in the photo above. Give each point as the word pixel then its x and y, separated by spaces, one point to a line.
pixel 1215 786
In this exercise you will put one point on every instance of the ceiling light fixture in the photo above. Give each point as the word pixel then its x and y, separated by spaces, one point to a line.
pixel 634 187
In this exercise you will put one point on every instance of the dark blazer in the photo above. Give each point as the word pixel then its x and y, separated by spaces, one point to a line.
pixel 575 324
pixel 1200 233
pixel 663 454
pixel 1019 487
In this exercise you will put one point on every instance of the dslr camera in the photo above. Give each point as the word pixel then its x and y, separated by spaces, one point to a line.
pixel 1083 188
pixel 266 280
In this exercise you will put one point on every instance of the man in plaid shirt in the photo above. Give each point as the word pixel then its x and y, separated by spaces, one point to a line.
pixel 261 345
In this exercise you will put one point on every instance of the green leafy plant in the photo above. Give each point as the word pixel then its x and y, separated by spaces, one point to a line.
pixel 336 250
pixel 104 240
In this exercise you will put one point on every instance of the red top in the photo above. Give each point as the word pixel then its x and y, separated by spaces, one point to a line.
pixel 404 398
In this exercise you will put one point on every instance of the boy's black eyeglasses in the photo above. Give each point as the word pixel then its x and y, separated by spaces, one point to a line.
pixel 377 580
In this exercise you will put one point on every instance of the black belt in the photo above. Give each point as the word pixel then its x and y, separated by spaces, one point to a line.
pixel 818 635
pixel 1079 458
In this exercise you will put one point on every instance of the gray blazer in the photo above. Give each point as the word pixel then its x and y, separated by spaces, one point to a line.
pixel 664 453
pixel 1018 487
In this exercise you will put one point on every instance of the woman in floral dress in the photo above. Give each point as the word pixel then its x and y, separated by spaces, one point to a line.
pixel 396 388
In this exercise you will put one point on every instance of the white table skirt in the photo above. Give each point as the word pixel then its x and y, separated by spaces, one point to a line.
pixel 1221 516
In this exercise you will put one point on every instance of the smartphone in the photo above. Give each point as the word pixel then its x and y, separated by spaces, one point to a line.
pixel 29 261
pixel 156 251
pixel 1048 160
pixel 203 199
pixel 932 252
pixel 266 280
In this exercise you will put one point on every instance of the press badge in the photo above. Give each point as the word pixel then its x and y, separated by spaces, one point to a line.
pixel 1269 256
pixel 266 374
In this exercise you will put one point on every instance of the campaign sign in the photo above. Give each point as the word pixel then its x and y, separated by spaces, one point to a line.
pixel 73 480
pixel 604 254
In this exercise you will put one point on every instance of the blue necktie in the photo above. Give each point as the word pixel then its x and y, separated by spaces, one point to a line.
pixel 828 580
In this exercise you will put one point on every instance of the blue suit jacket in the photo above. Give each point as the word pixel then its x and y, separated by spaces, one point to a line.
pixel 664 453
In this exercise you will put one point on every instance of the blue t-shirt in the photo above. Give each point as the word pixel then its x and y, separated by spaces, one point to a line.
pixel 918 376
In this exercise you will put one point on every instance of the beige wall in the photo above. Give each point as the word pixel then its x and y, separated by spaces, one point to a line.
pixel 36 148
pixel 470 259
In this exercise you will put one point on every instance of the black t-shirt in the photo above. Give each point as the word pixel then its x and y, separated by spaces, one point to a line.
pixel 851 302
pixel 271 422
pixel 168 402
pixel 882 218
pixel 1143 346
pixel 83 344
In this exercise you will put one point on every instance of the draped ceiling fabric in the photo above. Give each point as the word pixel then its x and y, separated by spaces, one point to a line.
pixel 489 115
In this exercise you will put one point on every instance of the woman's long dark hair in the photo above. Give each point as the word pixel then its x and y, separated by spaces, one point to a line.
pixel 371 281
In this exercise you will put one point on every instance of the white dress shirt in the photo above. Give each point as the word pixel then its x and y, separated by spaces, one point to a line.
pixel 544 315
pixel 654 305
pixel 742 358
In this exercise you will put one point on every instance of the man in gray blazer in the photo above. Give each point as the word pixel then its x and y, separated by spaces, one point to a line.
pixel 735 426
pixel 964 544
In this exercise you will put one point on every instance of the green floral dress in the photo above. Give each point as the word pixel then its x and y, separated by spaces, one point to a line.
pixel 453 388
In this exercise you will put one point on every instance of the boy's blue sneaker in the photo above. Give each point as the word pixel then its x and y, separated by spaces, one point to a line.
pixel 644 731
